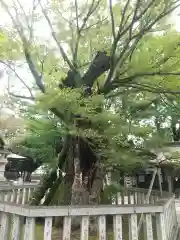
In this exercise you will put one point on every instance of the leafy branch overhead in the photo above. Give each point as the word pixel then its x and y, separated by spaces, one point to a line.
pixel 106 48
pixel 86 26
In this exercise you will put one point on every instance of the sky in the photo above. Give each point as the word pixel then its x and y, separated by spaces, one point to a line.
pixel 44 35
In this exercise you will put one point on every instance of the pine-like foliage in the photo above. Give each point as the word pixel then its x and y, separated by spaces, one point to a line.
pixel 42 136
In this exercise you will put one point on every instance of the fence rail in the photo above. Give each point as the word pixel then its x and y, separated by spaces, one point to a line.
pixel 20 221
pixel 19 194
pixel 138 196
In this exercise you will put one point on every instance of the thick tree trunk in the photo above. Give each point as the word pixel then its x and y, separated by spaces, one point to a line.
pixel 97 185
pixel 69 177
pixel 95 193
pixel 79 186
pixel 79 191
pixel 80 195
pixel 63 194
pixel 86 189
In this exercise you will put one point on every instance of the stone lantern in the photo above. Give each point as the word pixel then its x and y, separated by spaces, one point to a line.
pixel 3 159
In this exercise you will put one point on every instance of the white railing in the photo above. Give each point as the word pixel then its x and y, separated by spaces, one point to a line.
pixel 126 196
pixel 165 218
pixel 19 194
pixel 20 221
pixel 139 196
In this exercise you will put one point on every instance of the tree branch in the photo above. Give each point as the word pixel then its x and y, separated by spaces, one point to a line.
pixel 112 19
pixel 146 74
pixel 77 16
pixel 136 37
pixel 32 67
pixel 128 81
pixel 137 5
pixel 20 96
pixel 95 24
pixel 37 76
pixel 91 10
pixel 149 88
pixel 26 18
pixel 120 34
pixel 17 75
pixel 63 54
pixel 31 97
pixel 99 65
pixel 123 20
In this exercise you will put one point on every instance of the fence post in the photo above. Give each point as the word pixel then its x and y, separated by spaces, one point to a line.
pixel 16 229
pixel 160 227
pixel 5 226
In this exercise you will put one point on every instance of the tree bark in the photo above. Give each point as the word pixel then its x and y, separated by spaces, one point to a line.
pixel 64 196
pixel 80 195
pixel 95 193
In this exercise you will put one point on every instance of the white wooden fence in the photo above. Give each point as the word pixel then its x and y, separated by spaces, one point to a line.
pixel 19 194
pixel 19 221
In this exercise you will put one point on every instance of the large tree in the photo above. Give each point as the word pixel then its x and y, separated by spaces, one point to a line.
pixel 102 50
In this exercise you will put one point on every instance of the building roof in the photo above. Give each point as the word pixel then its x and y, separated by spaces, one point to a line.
pixel 12 155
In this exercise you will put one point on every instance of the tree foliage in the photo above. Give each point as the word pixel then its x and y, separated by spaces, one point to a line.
pixel 42 138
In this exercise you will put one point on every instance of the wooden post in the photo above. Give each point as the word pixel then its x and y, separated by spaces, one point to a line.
pixel 7 196
pixel 151 185
pixel 5 226
pixel 102 228
pixel 119 198
pixel 67 228
pixel 18 195
pixel 133 230
pixel 5 222
pixel 149 231
pixel 29 232
pixel 16 230
pixel 48 228
pixel 174 213
pixel 85 228
pixel 24 196
pixel 117 225
pixel 13 196
pixel 29 194
pixel 2 197
pixel 147 197
pixel 160 227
